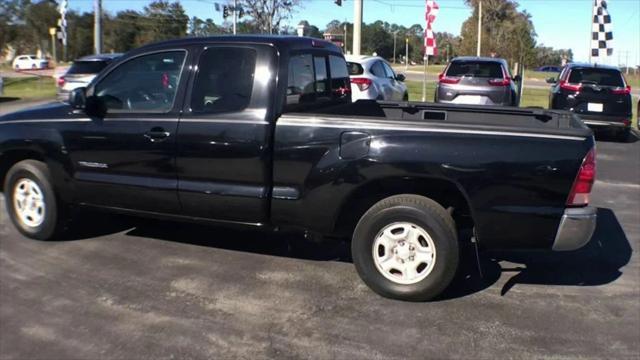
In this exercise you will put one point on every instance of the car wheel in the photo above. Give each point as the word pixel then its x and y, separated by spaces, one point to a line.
pixel 405 247
pixel 624 134
pixel 31 201
pixel 405 97
pixel 33 66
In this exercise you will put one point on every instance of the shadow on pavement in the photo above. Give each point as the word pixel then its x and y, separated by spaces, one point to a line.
pixel 609 136
pixel 597 263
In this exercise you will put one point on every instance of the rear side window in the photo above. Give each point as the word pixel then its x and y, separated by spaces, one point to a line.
pixel 378 70
pixel 300 87
pixel 320 66
pixel 224 81
pixel 355 68
pixel 604 77
pixel 481 69
pixel 87 67
pixel 339 75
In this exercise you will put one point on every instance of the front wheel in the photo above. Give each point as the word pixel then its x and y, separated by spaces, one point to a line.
pixel 405 247
pixel 31 201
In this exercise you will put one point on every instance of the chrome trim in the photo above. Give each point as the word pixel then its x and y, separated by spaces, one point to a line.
pixel 576 228
pixel 407 126
pixel 42 120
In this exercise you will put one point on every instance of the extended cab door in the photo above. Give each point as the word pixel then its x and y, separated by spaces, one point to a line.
pixel 126 158
pixel 224 137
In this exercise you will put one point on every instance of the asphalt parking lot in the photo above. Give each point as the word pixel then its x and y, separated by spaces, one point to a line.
pixel 136 289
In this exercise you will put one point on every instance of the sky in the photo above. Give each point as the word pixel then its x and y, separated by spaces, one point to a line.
pixel 562 24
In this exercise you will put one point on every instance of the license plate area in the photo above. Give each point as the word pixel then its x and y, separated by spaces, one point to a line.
pixel 595 107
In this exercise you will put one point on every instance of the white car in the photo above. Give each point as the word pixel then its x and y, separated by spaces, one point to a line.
pixel 24 62
pixel 372 78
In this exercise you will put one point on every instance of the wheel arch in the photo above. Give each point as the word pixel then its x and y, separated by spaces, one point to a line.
pixel 445 192
pixel 12 157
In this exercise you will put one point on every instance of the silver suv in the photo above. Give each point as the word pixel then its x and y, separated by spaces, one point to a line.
pixel 82 71
pixel 478 81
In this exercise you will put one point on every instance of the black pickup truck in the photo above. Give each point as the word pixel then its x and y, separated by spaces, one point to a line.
pixel 261 131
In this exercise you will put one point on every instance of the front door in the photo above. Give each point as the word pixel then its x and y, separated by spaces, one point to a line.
pixel 126 159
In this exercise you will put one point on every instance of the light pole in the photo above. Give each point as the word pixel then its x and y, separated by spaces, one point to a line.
pixel 395 33
pixel 97 26
pixel 479 27
pixel 357 26
pixel 52 32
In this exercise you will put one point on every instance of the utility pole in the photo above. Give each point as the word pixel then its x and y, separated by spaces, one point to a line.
pixel 52 32
pixel 235 15
pixel 395 34
pixel 357 26
pixel 345 36
pixel 97 26
pixel 406 54
pixel 479 27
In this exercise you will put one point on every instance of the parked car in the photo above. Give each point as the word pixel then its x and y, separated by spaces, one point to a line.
pixel 372 78
pixel 81 72
pixel 260 131
pixel 479 81
pixel 598 93
pixel 549 68
pixel 32 62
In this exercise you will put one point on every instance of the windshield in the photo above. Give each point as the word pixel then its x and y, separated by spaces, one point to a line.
pixel 355 68
pixel 87 67
pixel 603 77
pixel 481 69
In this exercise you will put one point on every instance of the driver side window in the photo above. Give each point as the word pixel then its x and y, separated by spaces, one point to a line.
pixel 146 83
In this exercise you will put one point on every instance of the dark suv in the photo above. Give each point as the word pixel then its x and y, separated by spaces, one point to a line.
pixel 478 81
pixel 598 93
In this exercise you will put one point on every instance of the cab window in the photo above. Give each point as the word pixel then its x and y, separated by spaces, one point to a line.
pixel 147 83
pixel 224 81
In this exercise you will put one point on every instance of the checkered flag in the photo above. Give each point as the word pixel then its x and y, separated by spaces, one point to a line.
pixel 601 33
pixel 430 47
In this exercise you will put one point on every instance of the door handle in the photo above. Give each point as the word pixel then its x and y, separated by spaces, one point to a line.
pixel 157 134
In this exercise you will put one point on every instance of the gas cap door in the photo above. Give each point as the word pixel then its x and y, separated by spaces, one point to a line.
pixel 354 145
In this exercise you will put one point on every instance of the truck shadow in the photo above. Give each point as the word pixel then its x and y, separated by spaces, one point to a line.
pixel 597 263
pixel 607 136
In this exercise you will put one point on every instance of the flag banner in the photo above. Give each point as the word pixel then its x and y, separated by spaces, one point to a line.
pixel 430 47
pixel 601 31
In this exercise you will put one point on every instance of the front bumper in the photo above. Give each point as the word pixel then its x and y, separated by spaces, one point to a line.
pixel 576 228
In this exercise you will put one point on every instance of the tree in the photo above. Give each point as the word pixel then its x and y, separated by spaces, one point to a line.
pixel 127 29
pixel 506 31
pixel 199 27
pixel 268 14
pixel 163 21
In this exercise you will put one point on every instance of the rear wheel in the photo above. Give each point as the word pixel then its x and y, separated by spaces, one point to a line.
pixel 405 97
pixel 31 201
pixel 405 247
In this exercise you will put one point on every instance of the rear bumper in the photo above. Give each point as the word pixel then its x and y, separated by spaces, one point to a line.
pixel 605 121
pixel 576 228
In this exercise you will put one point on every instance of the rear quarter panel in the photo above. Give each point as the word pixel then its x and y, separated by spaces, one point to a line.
pixel 516 186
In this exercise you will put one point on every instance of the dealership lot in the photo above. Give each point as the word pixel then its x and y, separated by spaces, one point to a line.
pixel 128 288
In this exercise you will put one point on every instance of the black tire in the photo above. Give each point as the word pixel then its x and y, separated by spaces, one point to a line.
pixel 624 134
pixel 428 215
pixel 405 97
pixel 37 172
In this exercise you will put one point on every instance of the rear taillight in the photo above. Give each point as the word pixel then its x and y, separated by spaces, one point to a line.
pixel 61 81
pixel 500 82
pixel 363 83
pixel 579 195
pixel 621 90
pixel 448 79
pixel 568 86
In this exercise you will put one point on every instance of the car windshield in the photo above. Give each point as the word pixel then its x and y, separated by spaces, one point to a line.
pixel 355 68
pixel 87 67
pixel 482 69
pixel 604 77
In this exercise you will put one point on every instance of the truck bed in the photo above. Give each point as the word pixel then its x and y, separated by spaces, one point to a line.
pixel 479 117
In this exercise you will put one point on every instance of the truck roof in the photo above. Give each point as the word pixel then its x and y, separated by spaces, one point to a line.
pixel 284 42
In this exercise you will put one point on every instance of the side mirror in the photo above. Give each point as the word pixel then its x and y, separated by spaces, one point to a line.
pixel 95 107
pixel 78 98
pixel 517 78
pixel 551 80
pixel 401 77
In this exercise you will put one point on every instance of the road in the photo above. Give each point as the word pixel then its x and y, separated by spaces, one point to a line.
pixel 135 289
